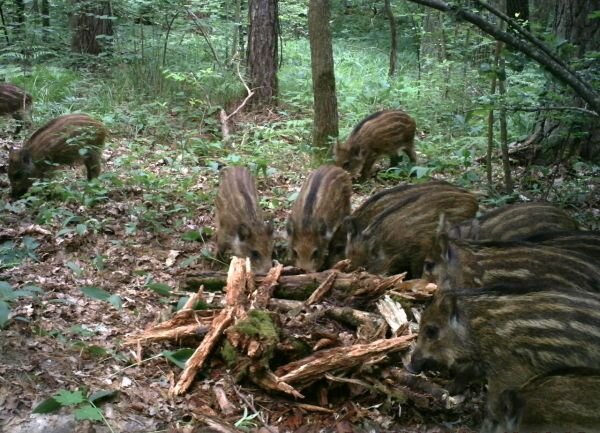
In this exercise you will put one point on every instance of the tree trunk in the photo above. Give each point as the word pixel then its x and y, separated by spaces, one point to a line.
pixel 567 135
pixel 393 38
pixel 262 51
pixel 325 125
pixel 87 24
pixel 45 14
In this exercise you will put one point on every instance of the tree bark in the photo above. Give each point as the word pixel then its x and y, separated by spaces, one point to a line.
pixel 325 125
pixel 564 136
pixel 263 52
pixel 87 24
pixel 393 38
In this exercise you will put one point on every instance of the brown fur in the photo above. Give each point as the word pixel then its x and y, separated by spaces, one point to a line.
pixel 454 263
pixel 399 238
pixel 67 139
pixel 566 401
pixel 321 206
pixel 512 333
pixel 382 133
pixel 16 102
pixel 240 224
pixel 515 222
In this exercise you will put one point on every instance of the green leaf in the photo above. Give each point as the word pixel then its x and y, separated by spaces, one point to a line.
pixel 4 312
pixel 100 396
pixel 192 236
pixel 181 302
pixel 81 229
pixel 96 293
pixel 88 412
pixel 75 268
pixel 160 288
pixel 69 398
pixel 179 357
pixel 116 301
pixel 47 406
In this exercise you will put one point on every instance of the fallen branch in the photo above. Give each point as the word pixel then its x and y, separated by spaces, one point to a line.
pixel 313 367
pixel 234 299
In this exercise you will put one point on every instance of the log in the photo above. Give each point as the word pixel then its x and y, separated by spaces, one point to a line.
pixel 300 287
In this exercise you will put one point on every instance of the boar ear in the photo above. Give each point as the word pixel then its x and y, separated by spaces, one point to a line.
pixel 244 232
pixel 351 227
pixel 26 157
pixel 441 241
pixel 322 228
pixel 449 306
pixel 475 229
pixel 269 228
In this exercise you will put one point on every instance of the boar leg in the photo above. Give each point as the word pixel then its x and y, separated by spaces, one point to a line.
pixel 20 119
pixel 367 165
pixel 93 166
pixel 412 155
pixel 395 159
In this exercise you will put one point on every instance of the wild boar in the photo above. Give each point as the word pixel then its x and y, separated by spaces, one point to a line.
pixel 67 139
pixel 453 263
pixel 515 222
pixel 16 102
pixel 399 238
pixel 511 333
pixel 378 203
pixel 383 133
pixel 565 401
pixel 577 241
pixel 241 228
pixel 321 206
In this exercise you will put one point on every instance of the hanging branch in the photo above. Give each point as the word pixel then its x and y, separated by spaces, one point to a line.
pixel 562 73
pixel 203 33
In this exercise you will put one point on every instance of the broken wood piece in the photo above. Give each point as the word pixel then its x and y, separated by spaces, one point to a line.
pixel 269 381
pixel 264 292
pixel 236 286
pixel 322 290
pixel 313 367
pixel 393 313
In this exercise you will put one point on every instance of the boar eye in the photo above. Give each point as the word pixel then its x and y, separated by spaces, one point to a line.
pixel 254 255
pixel 346 165
pixel 431 332
pixel 315 255
pixel 428 266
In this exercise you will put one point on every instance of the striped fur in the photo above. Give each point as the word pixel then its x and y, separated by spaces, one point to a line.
pixel 382 133
pixel 240 224
pixel 455 263
pixel 512 333
pixel 321 206
pixel 67 139
pixel 559 402
pixel 399 237
pixel 16 102
pixel 515 222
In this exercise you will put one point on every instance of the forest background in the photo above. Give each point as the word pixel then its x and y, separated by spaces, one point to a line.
pixel 172 80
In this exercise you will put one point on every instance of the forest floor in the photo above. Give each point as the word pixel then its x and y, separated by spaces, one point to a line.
pixel 62 339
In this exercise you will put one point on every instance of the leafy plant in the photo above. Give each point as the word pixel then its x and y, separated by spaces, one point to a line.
pixel 9 294
pixel 85 405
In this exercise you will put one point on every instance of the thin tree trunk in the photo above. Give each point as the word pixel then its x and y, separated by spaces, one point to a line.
pixel 393 38
pixel 508 183
pixel 325 125
pixel 263 52
pixel 490 131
